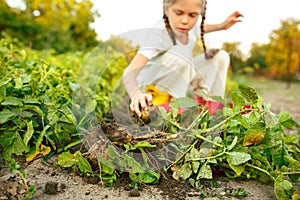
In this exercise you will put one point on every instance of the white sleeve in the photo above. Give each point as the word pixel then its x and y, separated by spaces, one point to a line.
pixel 157 41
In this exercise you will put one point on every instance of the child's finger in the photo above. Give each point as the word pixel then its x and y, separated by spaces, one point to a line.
pixel 134 107
pixel 149 99
pixel 143 103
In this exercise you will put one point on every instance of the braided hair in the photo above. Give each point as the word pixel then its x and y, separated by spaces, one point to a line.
pixel 168 27
pixel 202 28
pixel 171 32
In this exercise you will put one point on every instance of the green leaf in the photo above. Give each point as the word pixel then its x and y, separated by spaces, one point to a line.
pixel 195 166
pixel 83 165
pixel 238 169
pixel 134 177
pixel 112 152
pixel 185 171
pixel 4 82
pixel 52 117
pixel 18 83
pixel 183 102
pixel 41 136
pixel 132 165
pixel 32 101
pixel 90 106
pixel 279 157
pixel 285 119
pixel 193 154
pixel 2 93
pixel 35 109
pixel 228 111
pixel 230 147
pixel 249 94
pixel 70 118
pixel 291 139
pixel 283 188
pixel 12 144
pixel 107 169
pixel 261 158
pixel 143 145
pixel 66 159
pixel 205 172
pixel 25 114
pixel 25 78
pixel 237 99
pixel 29 133
pixel 12 101
pixel 237 158
pixel 149 177
pixel 5 116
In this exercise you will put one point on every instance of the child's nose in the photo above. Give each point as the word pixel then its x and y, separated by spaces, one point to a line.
pixel 184 19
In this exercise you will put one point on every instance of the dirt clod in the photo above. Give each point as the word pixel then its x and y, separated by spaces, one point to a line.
pixel 134 193
pixel 52 188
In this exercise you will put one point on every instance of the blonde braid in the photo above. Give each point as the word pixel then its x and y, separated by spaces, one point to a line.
pixel 202 29
pixel 166 20
pixel 169 29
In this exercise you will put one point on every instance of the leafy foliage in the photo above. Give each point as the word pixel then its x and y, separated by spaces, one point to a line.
pixel 68 30
pixel 36 105
pixel 38 116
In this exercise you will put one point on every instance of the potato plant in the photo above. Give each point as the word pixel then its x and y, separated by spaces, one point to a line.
pixel 43 103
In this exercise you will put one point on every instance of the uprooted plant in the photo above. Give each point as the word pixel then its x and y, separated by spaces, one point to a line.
pixel 242 141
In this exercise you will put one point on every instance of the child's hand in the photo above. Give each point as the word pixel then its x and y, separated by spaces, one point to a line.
pixel 232 19
pixel 139 102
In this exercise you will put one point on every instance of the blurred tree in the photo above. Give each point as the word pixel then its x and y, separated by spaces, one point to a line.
pixel 282 56
pixel 257 61
pixel 236 56
pixel 122 45
pixel 60 24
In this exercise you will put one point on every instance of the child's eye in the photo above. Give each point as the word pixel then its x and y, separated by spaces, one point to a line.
pixel 193 15
pixel 177 12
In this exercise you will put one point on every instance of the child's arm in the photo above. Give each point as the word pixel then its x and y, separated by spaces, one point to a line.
pixel 139 100
pixel 229 21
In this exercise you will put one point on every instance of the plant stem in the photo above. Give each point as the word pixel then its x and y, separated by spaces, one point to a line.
pixel 262 170
pixel 290 173
pixel 203 113
pixel 192 145
pixel 207 140
pixel 225 121
pixel 209 157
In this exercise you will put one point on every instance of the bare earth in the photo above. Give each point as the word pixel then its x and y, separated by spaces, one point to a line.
pixel 54 183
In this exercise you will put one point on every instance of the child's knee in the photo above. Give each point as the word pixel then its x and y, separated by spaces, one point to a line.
pixel 222 59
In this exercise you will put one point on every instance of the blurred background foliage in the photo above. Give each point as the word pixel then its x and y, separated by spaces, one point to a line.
pixel 58 24
pixel 65 26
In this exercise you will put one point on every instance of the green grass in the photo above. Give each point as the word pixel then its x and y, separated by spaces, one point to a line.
pixel 272 88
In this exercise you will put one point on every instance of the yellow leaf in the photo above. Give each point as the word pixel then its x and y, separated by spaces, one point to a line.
pixel 45 150
pixel 255 134
pixel 32 154
pixel 296 195
pixel 158 97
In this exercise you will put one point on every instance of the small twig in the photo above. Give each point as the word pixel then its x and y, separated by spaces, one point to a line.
pixel 262 170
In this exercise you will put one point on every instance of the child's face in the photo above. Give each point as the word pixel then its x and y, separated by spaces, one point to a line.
pixel 183 15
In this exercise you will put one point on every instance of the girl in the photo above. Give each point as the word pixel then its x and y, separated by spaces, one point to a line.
pixel 165 61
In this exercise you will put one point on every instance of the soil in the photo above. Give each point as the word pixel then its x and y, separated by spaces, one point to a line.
pixel 53 183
